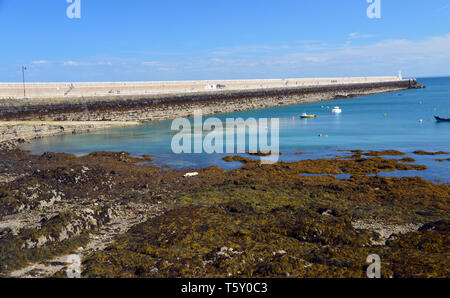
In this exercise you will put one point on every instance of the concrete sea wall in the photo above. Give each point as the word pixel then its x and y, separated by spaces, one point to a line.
pixel 168 106
pixel 93 89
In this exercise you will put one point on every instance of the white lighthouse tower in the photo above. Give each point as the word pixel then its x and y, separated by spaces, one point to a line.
pixel 400 77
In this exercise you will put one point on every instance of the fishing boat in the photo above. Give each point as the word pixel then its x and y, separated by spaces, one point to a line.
pixel 442 119
pixel 336 110
pixel 306 116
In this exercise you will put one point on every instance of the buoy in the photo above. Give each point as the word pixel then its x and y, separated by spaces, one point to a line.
pixel 420 121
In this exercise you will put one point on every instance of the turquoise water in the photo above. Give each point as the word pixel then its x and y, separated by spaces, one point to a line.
pixel 377 122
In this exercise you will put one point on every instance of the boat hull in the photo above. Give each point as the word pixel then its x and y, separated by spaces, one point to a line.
pixel 441 119
pixel 336 110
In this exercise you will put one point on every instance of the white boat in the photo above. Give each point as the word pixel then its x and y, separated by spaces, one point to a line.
pixel 336 110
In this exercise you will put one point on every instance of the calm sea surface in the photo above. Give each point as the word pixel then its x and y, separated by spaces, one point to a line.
pixel 377 122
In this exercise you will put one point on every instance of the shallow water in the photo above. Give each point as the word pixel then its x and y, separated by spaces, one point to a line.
pixel 377 122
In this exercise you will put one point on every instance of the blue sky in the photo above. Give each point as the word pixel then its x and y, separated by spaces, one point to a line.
pixel 217 39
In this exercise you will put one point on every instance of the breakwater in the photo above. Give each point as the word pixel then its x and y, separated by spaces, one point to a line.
pixel 98 89
pixel 26 119
pixel 162 107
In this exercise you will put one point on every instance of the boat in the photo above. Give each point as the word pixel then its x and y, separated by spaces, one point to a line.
pixel 306 116
pixel 442 119
pixel 336 110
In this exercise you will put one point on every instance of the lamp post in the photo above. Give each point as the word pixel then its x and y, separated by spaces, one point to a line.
pixel 23 79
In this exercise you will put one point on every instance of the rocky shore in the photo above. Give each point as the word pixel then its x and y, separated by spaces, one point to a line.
pixel 124 216
pixel 125 219
pixel 13 133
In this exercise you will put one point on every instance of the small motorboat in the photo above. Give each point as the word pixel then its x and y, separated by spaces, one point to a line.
pixel 306 116
pixel 439 119
pixel 336 110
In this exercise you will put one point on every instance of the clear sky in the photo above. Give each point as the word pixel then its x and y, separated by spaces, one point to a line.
pixel 221 39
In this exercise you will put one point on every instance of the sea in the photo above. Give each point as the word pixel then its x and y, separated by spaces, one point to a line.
pixel 402 121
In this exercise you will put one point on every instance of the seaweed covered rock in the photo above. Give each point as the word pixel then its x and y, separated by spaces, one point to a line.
pixel 289 219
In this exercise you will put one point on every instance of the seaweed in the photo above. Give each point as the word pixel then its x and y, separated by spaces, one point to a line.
pixel 421 152
pixel 254 221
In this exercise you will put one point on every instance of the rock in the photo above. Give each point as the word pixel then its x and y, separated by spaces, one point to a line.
pixel 328 213
pixel 187 175
pixel 280 253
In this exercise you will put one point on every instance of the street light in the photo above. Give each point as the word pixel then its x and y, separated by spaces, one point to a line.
pixel 23 79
